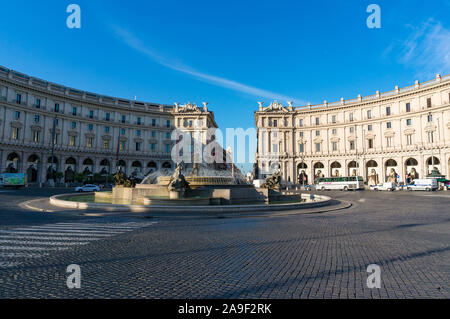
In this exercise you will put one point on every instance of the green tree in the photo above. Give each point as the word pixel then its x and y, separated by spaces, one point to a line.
pixel 80 177
pixel 59 176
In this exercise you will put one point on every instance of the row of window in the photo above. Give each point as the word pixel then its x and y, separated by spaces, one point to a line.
pixel 56 109
pixel 89 141
pixel 369 127
pixel 138 146
pixel 91 126
pixel 352 145
pixel 274 123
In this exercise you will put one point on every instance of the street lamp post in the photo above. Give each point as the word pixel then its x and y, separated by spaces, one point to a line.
pixel 431 137
pixel 117 152
pixel 356 150
pixel 303 175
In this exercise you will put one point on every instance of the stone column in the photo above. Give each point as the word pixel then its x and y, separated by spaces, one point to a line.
pixel 422 166
pixel 79 168
pixel 402 172
pixel 294 171
pixel 41 176
pixel 2 161
pixel 330 173
pixel 444 163
pixel 22 163
pixel 310 171
pixel 362 168
pixel 128 162
pixel 96 168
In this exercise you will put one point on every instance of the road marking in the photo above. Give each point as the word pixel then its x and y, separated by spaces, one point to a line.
pixel 69 230
pixel 126 225
pixel 9 264
pixel 21 232
pixel 81 229
pixel 31 248
pixel 48 238
pixel 43 243
pixel 38 241
pixel 100 227
pixel 24 255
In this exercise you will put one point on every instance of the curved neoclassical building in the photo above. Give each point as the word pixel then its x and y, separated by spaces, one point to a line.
pixel 91 130
pixel 405 129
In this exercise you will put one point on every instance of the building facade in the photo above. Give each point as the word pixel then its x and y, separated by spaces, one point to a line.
pixel 406 131
pixel 87 132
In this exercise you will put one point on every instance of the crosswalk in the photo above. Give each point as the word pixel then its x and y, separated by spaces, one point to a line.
pixel 21 244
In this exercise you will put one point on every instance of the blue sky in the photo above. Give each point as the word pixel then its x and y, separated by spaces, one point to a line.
pixel 228 53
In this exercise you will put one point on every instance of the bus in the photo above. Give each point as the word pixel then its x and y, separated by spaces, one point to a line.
pixel 16 180
pixel 341 183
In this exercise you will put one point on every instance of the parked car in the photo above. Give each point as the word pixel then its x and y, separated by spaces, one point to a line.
pixel 389 186
pixel 88 188
pixel 423 185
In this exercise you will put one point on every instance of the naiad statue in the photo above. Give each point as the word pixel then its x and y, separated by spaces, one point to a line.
pixel 121 180
pixel 177 181
pixel 273 181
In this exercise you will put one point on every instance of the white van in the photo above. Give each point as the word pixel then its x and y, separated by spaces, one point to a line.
pixel 388 186
pixel 423 185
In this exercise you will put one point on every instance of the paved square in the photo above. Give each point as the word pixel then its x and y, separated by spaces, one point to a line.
pixel 301 256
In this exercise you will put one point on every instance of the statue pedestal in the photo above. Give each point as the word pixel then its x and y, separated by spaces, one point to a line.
pixel 176 194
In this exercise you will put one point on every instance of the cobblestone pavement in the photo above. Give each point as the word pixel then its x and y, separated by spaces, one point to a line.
pixel 298 256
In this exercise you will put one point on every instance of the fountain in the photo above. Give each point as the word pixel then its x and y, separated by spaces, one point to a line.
pixel 201 190
pixel 202 185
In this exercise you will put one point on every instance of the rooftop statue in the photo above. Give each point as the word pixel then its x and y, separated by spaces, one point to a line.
pixel 189 107
pixel 275 106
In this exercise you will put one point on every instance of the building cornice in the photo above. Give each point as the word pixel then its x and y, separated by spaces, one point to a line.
pixel 361 102
pixel 60 92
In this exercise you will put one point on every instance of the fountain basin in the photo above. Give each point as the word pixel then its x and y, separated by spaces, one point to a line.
pixel 195 201
pixel 196 181
pixel 81 202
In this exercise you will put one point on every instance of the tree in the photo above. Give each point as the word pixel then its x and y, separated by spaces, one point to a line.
pixel 80 177
pixel 59 176
pixel 98 178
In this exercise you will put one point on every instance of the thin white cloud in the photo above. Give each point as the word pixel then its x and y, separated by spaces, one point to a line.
pixel 135 43
pixel 427 49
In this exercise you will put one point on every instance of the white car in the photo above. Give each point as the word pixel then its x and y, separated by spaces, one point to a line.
pixel 87 188
pixel 383 187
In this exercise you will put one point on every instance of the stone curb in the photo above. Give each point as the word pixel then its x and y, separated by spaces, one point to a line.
pixel 58 200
